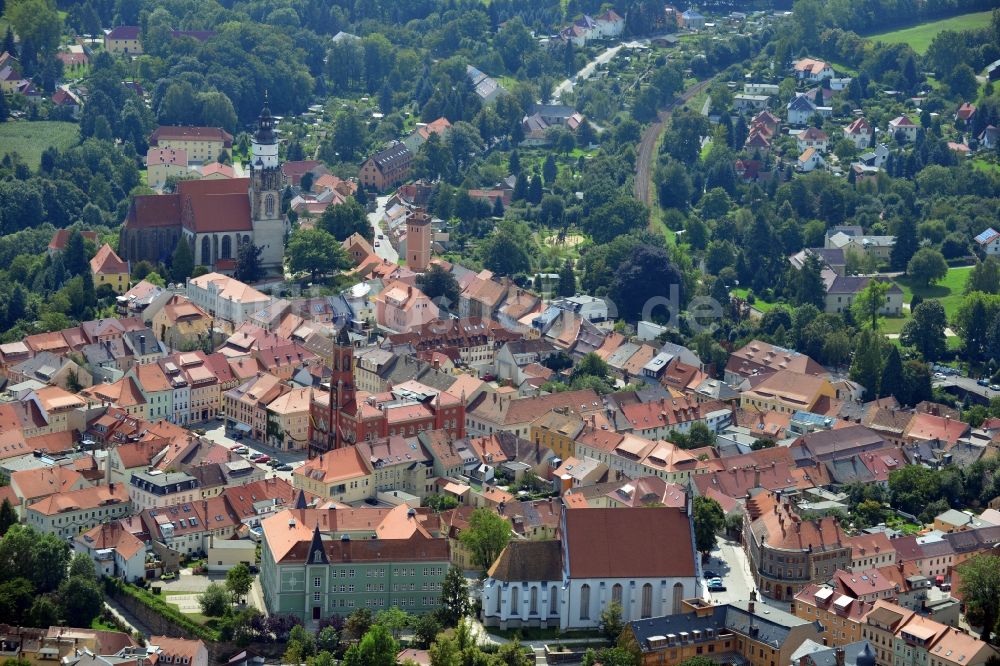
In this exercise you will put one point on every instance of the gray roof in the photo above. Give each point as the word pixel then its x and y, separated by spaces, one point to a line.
pixel 855 654
pixel 42 367
pixel 771 625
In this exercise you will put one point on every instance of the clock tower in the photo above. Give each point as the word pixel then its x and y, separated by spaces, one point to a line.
pixel 266 185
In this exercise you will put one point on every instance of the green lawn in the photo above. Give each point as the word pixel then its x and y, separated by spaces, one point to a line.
pixel 948 292
pixel 985 165
pixel 919 37
pixel 29 139
pixel 761 305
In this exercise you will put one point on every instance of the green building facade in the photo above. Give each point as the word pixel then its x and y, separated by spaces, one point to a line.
pixel 328 576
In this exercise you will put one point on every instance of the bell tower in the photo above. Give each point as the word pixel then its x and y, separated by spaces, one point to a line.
pixel 266 184
pixel 341 388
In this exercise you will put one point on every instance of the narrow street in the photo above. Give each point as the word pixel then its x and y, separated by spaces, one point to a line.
pixel 383 248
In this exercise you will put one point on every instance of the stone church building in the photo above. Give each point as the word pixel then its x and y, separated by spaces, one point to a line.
pixel 215 217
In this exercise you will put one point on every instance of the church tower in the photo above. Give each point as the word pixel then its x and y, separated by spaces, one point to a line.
pixel 266 185
pixel 342 403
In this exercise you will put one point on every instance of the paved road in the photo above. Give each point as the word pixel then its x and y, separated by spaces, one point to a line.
pixel 384 248
pixel 219 435
pixel 968 385
pixel 730 563
pixel 644 161
pixel 585 73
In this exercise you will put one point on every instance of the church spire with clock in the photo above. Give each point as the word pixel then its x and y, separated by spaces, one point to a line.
pixel 266 184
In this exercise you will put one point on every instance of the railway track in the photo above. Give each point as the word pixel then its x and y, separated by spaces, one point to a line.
pixel 647 145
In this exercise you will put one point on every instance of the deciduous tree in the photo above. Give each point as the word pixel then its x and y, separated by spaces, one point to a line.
pixel 487 534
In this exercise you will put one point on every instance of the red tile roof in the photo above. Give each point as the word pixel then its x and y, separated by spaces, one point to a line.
pixel 191 133
pixel 629 543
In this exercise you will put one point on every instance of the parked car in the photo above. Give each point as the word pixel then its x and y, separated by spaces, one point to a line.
pixel 709 575
pixel 262 458
pixel 170 575
pixel 983 382
pixel 716 588
pixel 995 387
pixel 715 581
pixel 284 467
pixel 273 462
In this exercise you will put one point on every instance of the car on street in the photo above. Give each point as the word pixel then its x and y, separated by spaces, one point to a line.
pixel 715 581
pixel 995 387
pixel 939 375
pixel 983 382
pixel 716 587
pixel 709 575
pixel 240 449
pixel 283 467
pixel 273 462
pixel 260 458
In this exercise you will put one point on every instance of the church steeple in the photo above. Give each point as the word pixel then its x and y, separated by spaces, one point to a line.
pixel 265 126
pixel 266 185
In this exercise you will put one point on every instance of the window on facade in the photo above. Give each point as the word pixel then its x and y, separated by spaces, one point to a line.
pixel 534 601
pixel 585 602
pixel 553 601
pixel 616 593
pixel 269 205
pixel 647 600
pixel 514 591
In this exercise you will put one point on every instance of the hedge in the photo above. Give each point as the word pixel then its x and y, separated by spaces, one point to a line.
pixel 159 605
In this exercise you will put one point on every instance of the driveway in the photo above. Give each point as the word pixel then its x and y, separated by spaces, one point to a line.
pixel 384 250
pixel 188 582
pixel 586 72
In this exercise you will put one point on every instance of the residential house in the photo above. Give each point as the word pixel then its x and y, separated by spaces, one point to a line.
pixel 745 632
pixel 156 489
pixel 841 293
pixel 839 614
pixel 810 160
pixel 812 70
pixel 758 358
pixel 860 133
pixel 117 553
pixel 692 19
pixel 226 298
pixel 67 514
pixel 812 138
pixel 401 307
pixel 786 553
pixel 186 651
pixel 386 168
pixel 164 163
pixel 903 129
pixel 801 109
pixel 788 391
pixel 108 268
pixel 489 412
pixel 201 145
pixel 487 88
pixel 123 40
pixel 180 324
pixel 989 242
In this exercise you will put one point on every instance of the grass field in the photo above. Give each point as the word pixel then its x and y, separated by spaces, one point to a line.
pixel 919 37
pixel 948 291
pixel 985 165
pixel 29 139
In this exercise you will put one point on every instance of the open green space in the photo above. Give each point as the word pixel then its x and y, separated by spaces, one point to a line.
pixel 759 304
pixel 985 165
pixel 30 139
pixel 948 291
pixel 919 37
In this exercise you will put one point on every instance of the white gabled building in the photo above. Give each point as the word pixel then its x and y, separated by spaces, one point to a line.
pixel 641 558
pixel 989 240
